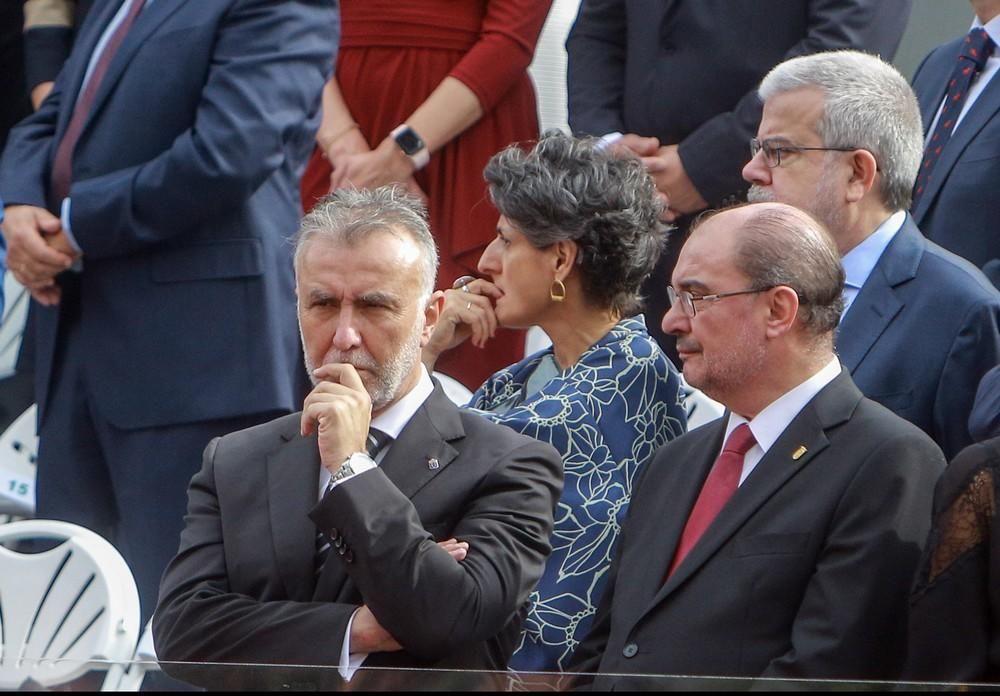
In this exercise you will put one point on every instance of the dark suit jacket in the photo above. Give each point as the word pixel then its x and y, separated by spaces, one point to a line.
pixel 804 573
pixel 959 210
pixel 686 71
pixel 184 191
pixel 921 334
pixel 242 587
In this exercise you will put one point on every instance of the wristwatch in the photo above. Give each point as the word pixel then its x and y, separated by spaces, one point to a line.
pixel 412 145
pixel 357 463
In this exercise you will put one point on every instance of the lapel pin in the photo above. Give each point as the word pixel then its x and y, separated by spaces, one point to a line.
pixel 432 463
pixel 797 454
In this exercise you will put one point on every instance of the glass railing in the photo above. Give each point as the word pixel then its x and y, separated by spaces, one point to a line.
pixel 63 675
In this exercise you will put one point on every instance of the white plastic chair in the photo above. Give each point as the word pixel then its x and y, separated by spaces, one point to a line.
pixel 453 389
pixel 65 610
pixel 700 408
pixel 12 323
pixel 18 452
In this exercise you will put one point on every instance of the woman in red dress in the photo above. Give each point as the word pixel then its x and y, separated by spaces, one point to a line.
pixel 425 92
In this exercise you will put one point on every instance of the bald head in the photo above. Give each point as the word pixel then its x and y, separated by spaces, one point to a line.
pixel 777 244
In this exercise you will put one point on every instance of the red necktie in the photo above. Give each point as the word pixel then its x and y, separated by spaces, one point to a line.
pixel 976 50
pixel 722 482
pixel 62 164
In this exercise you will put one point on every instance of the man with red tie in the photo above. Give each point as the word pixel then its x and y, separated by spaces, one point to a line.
pixel 148 205
pixel 781 539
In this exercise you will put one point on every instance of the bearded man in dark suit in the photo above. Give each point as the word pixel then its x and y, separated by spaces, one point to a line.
pixel 248 584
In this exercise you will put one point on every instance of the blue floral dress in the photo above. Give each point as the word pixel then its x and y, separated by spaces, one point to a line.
pixel 607 415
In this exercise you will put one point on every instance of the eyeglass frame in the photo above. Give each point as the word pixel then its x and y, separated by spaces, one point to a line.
pixel 757 145
pixel 686 299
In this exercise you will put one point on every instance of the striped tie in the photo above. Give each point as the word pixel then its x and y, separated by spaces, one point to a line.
pixel 376 441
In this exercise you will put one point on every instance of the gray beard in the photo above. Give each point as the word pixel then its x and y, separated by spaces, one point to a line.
pixel 389 376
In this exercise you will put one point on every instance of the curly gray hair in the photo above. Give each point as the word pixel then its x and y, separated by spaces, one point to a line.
pixel 571 189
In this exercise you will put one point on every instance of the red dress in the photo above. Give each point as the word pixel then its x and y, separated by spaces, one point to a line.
pixel 393 54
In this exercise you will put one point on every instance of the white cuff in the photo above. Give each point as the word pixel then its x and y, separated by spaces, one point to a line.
pixel 350 662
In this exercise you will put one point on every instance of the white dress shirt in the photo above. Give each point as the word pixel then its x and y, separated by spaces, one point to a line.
pixel 771 422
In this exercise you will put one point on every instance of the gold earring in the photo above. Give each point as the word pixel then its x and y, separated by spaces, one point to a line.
pixel 558 291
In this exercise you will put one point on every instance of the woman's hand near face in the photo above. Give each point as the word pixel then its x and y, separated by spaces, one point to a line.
pixel 467 313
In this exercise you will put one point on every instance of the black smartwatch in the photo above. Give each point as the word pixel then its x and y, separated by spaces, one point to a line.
pixel 412 145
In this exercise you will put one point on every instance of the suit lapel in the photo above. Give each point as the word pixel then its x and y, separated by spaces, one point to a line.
pixel 987 104
pixel 936 81
pixel 146 23
pixel 831 407
pixel 660 536
pixel 878 303
pixel 83 50
pixel 292 490
pixel 420 453
pixel 422 450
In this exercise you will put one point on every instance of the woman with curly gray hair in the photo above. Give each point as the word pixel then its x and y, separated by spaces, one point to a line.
pixel 579 231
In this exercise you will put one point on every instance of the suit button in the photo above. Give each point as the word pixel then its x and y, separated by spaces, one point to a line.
pixel 630 650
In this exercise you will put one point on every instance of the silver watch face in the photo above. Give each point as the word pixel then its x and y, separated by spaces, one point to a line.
pixel 344 471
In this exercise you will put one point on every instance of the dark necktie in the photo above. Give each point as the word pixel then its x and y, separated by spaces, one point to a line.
pixel 722 482
pixel 976 50
pixel 377 440
pixel 62 164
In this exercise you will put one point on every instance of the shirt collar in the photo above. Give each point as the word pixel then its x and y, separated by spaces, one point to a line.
pixel 992 28
pixel 768 425
pixel 860 261
pixel 393 419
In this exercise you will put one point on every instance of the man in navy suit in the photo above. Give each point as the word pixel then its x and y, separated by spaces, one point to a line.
pixel 148 203
pixel 678 78
pixel 840 137
pixel 959 208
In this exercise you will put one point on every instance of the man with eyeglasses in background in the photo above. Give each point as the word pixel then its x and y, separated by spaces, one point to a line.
pixel 791 555
pixel 841 138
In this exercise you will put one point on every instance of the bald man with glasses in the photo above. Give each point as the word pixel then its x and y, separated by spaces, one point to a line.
pixel 781 539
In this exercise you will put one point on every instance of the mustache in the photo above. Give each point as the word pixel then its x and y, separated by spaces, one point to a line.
pixel 358 358
pixel 759 194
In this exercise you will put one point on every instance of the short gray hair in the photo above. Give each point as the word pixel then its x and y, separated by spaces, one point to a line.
pixel 350 215
pixel 571 189
pixel 868 105
pixel 780 244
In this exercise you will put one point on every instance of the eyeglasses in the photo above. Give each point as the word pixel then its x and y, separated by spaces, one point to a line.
pixel 687 300
pixel 772 153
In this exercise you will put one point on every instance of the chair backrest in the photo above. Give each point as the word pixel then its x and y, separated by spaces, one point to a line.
pixel 18 451
pixel 453 389
pixel 64 609
pixel 12 323
pixel 700 408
